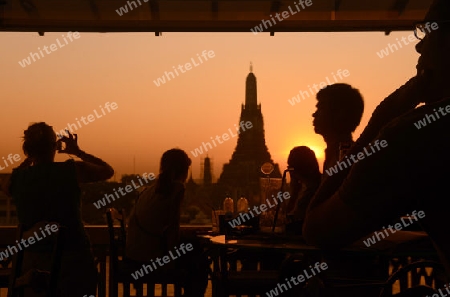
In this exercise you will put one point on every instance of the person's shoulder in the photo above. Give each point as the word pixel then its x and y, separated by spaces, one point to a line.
pixel 69 162
pixel 16 171
pixel 66 166
pixel 413 140
pixel 405 125
pixel 147 192
pixel 178 186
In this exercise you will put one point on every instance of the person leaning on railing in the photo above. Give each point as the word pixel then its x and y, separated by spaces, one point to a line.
pixel 45 190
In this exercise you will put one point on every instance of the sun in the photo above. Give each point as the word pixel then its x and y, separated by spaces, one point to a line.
pixel 318 151
pixel 320 154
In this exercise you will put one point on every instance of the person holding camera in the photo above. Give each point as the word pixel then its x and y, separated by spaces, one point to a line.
pixel 45 190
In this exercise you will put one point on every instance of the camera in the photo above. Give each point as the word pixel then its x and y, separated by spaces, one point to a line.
pixel 59 145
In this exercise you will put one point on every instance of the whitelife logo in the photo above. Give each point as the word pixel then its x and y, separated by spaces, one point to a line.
pixel 411 38
pixel 11 159
pixel 188 66
pixel 53 48
pixel 428 117
pixel 244 216
pixel 128 189
pixel 161 261
pixel 361 155
pixel 440 291
pixel 90 118
pixel 296 280
pixel 340 73
pixel 31 240
pixel 225 137
pixel 285 14
pixel 123 9
pixel 372 240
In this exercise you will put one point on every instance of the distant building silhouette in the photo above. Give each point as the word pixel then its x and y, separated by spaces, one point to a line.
pixel 206 168
pixel 191 190
pixel 241 176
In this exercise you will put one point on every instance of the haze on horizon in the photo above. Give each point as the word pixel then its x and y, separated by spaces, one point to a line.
pixel 80 79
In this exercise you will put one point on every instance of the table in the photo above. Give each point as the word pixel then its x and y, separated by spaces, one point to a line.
pixel 393 252
pixel 401 243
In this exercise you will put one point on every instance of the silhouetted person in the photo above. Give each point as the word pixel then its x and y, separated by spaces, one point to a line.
pixel 411 173
pixel 44 190
pixel 305 180
pixel 339 111
pixel 154 226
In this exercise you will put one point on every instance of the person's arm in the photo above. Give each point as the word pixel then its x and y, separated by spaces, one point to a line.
pixel 173 222
pixel 402 100
pixel 305 199
pixel 91 168
pixel 362 204
pixel 6 183
pixel 295 188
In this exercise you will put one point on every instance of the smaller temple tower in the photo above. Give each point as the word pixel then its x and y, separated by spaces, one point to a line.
pixel 206 169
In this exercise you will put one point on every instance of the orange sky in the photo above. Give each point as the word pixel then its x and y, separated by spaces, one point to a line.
pixel 80 78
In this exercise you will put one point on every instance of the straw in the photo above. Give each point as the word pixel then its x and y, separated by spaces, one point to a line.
pixel 279 204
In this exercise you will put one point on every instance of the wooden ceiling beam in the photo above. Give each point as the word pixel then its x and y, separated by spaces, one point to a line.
pixel 94 8
pixel 400 6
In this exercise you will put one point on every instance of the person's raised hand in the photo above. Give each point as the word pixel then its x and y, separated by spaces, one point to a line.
pixel 71 144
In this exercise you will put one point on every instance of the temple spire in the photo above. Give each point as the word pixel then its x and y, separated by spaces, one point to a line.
pixel 242 174
pixel 250 90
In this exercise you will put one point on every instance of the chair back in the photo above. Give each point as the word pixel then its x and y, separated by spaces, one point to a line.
pixel 35 277
pixel 117 242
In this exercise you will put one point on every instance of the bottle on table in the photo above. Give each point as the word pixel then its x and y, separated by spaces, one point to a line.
pixel 242 205
pixel 228 207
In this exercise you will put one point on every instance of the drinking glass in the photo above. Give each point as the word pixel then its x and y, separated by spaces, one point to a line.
pixel 215 219
pixel 269 191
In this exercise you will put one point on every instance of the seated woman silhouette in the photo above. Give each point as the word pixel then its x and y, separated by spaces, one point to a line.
pixel 45 190
pixel 305 180
pixel 154 225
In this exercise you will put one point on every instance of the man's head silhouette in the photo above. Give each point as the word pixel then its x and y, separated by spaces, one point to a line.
pixel 434 50
pixel 339 111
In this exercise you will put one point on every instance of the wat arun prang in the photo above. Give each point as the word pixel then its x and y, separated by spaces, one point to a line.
pixel 241 176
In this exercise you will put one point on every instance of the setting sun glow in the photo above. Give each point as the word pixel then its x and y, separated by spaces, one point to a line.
pixel 318 150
